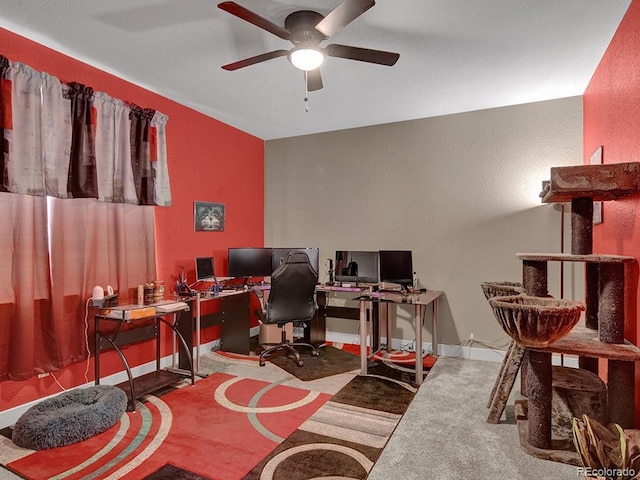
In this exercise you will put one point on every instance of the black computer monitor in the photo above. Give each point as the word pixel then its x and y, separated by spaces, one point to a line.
pixel 279 254
pixel 396 266
pixel 356 266
pixel 250 262
pixel 204 268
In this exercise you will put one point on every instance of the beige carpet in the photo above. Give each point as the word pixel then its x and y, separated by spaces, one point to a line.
pixel 444 434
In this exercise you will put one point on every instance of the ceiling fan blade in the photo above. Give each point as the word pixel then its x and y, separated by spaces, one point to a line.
pixel 253 60
pixel 247 15
pixel 362 54
pixel 342 15
pixel 314 80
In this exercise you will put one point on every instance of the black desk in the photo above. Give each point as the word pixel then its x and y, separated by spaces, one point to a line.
pixel 230 309
pixel 315 333
pixel 149 328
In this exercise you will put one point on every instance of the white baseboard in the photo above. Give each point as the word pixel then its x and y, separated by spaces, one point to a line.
pixel 10 416
pixel 467 352
pixel 458 351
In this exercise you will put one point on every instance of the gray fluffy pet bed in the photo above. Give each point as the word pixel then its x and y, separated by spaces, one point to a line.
pixel 70 417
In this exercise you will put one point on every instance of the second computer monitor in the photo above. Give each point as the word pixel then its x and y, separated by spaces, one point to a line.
pixel 204 268
pixel 250 262
pixel 356 266
pixel 396 266
pixel 279 254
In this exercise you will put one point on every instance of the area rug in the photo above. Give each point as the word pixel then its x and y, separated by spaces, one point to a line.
pixel 331 361
pixel 396 364
pixel 344 438
pixel 338 358
pixel 218 429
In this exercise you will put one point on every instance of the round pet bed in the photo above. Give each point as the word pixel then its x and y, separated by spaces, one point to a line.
pixel 70 417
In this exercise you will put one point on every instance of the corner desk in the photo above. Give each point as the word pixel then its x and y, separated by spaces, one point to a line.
pixel 419 301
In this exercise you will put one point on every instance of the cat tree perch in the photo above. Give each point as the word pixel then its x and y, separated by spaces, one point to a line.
pixel 602 336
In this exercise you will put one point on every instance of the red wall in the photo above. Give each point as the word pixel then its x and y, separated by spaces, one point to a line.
pixel 208 161
pixel 611 119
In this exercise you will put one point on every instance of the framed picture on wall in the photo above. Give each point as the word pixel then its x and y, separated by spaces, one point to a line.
pixel 208 217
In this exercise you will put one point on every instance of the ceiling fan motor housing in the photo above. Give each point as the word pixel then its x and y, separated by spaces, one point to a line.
pixel 302 24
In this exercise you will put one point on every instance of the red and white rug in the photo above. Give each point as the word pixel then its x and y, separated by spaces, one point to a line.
pixel 220 428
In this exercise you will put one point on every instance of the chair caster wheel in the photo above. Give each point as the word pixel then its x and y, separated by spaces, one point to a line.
pixel 261 363
pixel 315 353
pixel 300 363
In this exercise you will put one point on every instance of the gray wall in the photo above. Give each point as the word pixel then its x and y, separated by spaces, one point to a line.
pixel 460 191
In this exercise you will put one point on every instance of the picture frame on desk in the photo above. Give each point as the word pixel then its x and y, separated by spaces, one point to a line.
pixel 208 217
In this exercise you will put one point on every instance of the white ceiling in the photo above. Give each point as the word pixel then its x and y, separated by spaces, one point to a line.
pixel 455 55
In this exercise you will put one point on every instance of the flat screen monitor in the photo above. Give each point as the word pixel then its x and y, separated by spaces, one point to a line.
pixel 204 268
pixel 279 254
pixel 396 266
pixel 250 262
pixel 356 266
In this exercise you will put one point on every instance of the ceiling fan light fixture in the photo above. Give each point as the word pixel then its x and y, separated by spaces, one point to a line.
pixel 306 58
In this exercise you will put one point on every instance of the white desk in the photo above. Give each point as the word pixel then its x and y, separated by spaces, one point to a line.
pixel 419 301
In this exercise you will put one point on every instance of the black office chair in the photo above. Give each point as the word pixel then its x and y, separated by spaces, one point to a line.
pixel 291 299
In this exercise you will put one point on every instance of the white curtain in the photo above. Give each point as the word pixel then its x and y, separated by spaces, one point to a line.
pixel 56 121
pixel 60 142
pixel 28 331
pixel 23 161
pixel 95 243
pixel 113 150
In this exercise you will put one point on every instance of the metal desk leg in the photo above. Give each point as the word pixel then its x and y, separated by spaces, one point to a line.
pixel 434 329
pixel 96 336
pixel 176 333
pixel 196 361
pixel 384 307
pixel 363 337
pixel 419 309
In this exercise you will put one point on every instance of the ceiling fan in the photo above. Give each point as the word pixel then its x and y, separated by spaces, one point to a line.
pixel 306 29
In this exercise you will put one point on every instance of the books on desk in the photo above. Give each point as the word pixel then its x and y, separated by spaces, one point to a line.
pixel 129 312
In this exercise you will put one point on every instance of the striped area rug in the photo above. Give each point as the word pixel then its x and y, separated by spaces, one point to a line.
pixel 344 437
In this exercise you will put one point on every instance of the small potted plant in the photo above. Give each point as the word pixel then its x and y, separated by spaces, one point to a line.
pixel 607 453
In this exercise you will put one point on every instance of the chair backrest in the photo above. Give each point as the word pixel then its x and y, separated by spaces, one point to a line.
pixel 292 293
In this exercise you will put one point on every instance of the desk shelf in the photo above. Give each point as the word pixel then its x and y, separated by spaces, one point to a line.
pixel 151 382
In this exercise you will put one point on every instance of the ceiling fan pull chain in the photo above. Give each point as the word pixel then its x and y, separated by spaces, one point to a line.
pixel 306 93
